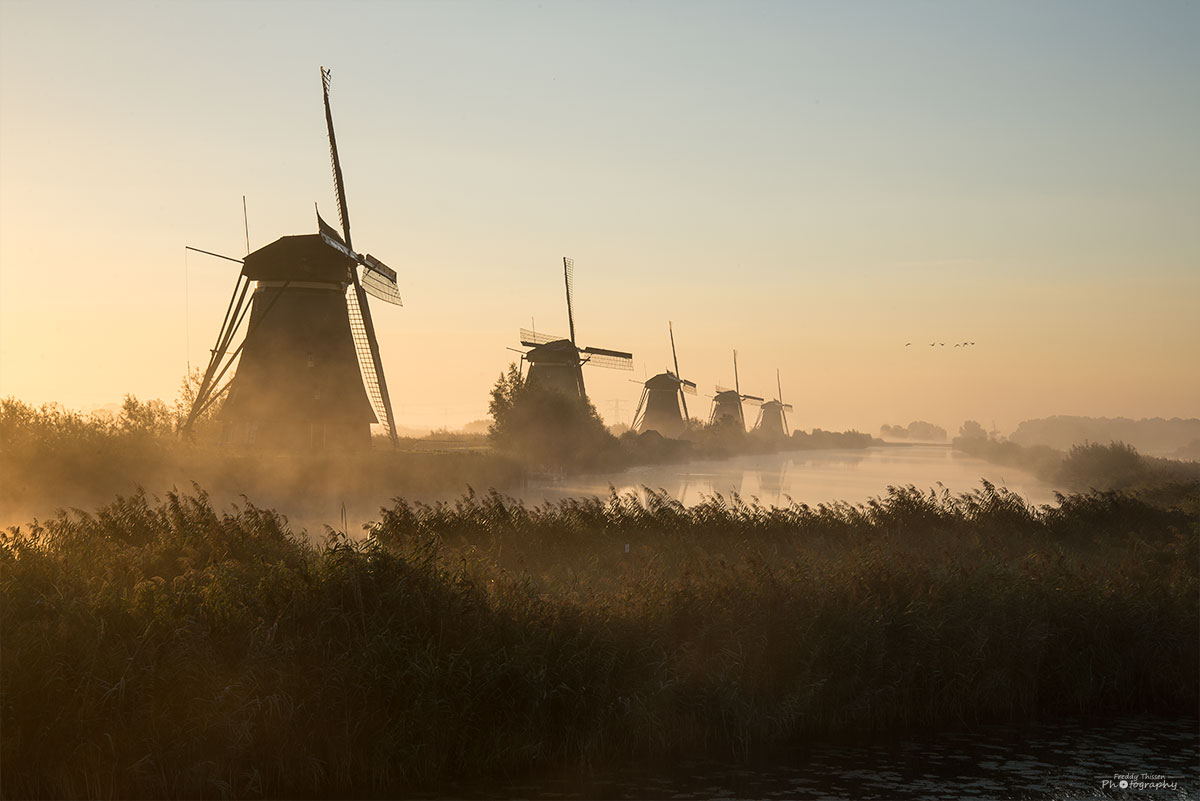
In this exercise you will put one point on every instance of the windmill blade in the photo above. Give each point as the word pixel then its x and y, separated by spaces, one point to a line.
pixel 688 387
pixel 753 399
pixel 380 280
pixel 606 352
pixel 338 183
pixel 612 359
pixel 379 287
pixel 671 330
pixel 366 346
pixel 532 338
pixel 569 277
pixel 611 362
pixel 376 266
pixel 787 407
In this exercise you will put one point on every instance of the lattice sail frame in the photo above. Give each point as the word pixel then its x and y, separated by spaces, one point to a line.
pixel 366 364
pixel 531 338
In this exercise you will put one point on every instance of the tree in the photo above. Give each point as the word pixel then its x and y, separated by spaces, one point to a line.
pixel 1094 466
pixel 544 426
pixel 151 417
pixel 972 430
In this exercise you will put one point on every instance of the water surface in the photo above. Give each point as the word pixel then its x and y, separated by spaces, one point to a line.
pixel 1075 759
pixel 810 477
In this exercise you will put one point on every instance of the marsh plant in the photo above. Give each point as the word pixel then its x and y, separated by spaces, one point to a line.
pixel 162 648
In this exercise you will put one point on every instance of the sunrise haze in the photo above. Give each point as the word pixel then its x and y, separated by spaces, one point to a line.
pixel 814 184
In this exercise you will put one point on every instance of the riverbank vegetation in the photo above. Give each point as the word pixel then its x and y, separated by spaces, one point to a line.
pixel 162 648
pixel 917 430
pixel 546 429
pixel 1175 438
pixel 1092 466
pixel 52 458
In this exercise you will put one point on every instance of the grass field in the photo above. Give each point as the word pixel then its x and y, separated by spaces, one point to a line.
pixel 163 648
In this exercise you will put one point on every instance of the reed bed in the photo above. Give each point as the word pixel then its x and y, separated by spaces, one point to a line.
pixel 162 648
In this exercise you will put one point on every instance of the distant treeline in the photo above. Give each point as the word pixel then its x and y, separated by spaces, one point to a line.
pixel 165 649
pixel 1093 466
pixel 916 430
pixel 1176 438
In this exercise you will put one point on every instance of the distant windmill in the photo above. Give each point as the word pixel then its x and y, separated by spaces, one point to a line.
pixel 663 396
pixel 772 415
pixel 555 362
pixel 308 372
pixel 727 403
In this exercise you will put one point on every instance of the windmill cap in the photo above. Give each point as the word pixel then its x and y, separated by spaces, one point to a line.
pixel 558 350
pixel 304 257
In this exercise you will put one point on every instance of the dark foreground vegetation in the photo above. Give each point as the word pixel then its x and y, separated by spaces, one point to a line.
pixel 163 649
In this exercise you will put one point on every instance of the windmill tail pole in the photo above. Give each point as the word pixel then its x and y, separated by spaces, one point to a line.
pixel 218 351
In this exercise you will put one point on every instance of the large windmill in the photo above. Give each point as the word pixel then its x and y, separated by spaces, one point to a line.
pixel 555 362
pixel 772 415
pixel 663 397
pixel 727 403
pixel 308 368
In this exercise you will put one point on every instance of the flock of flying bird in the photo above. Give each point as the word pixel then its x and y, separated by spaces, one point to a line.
pixel 943 344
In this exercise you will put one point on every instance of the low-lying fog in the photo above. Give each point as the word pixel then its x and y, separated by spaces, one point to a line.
pixel 810 477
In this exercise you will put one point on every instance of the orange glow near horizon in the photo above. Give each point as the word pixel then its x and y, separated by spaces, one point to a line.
pixel 760 182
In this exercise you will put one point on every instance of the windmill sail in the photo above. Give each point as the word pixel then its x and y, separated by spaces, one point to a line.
pixel 338 182
pixel 569 277
pixel 613 359
pixel 675 357
pixel 530 338
pixel 366 363
pixel 380 281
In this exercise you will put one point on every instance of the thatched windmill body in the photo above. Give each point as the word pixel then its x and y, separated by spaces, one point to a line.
pixel 556 362
pixel 663 405
pixel 727 403
pixel 772 415
pixel 309 374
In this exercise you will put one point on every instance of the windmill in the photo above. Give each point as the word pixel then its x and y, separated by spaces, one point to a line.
pixel 555 362
pixel 772 415
pixel 308 372
pixel 662 396
pixel 727 403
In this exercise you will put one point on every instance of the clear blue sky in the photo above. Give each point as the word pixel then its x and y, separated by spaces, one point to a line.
pixel 813 183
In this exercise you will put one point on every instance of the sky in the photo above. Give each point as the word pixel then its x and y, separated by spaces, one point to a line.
pixel 814 184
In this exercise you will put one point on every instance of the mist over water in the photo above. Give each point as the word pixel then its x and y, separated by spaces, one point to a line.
pixel 811 477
